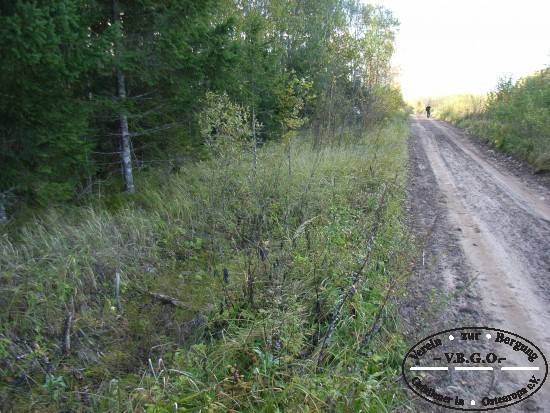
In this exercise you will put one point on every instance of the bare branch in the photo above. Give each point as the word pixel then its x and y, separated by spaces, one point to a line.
pixel 164 299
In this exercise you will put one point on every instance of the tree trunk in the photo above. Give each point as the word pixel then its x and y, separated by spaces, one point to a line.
pixel 254 140
pixel 3 215
pixel 125 153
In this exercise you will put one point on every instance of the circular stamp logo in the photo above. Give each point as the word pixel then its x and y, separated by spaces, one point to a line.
pixel 463 354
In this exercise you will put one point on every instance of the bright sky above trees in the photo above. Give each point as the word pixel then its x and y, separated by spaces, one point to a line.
pixel 465 46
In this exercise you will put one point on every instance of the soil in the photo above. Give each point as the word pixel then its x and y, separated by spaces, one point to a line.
pixel 482 221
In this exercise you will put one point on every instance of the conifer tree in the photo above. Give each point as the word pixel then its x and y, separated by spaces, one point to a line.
pixel 45 49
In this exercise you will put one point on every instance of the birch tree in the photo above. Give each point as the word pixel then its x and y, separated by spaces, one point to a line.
pixel 125 144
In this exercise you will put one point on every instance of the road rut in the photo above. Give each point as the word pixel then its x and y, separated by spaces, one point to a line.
pixel 485 231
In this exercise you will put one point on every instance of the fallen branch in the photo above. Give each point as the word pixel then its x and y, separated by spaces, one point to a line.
pixel 117 290
pixel 66 340
pixel 378 220
pixel 377 323
pixel 336 315
pixel 164 299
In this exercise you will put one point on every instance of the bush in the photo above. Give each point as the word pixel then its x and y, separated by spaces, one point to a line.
pixel 513 117
pixel 454 108
pixel 518 116
pixel 229 285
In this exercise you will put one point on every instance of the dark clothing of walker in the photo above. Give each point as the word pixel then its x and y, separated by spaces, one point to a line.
pixel 428 108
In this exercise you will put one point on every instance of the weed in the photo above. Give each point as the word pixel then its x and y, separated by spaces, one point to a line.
pixel 512 118
pixel 229 285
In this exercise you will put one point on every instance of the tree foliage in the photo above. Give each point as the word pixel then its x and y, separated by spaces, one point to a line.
pixel 517 114
pixel 224 125
pixel 513 117
pixel 45 140
pixel 289 62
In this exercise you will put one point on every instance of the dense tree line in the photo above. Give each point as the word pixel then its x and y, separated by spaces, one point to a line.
pixel 513 117
pixel 516 119
pixel 90 86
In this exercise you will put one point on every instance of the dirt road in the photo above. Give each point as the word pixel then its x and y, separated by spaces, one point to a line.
pixel 484 223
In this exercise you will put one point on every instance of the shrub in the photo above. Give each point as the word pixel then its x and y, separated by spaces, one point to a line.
pixel 228 285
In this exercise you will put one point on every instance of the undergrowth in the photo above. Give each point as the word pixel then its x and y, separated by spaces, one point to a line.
pixel 514 117
pixel 457 109
pixel 229 285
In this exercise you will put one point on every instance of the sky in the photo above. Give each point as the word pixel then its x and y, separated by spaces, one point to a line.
pixel 465 46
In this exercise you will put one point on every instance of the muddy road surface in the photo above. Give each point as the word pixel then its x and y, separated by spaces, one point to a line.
pixel 483 225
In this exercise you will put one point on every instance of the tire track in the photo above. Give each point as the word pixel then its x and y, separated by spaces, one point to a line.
pixel 501 224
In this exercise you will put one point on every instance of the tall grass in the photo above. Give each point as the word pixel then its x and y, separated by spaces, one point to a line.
pixel 453 108
pixel 514 117
pixel 226 285
pixel 517 119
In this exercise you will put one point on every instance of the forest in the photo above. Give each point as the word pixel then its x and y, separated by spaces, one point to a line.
pixel 202 206
pixel 91 89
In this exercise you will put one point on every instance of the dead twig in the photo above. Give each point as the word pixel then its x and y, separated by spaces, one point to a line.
pixel 66 340
pixel 66 336
pixel 164 299
pixel 357 276
pixel 377 323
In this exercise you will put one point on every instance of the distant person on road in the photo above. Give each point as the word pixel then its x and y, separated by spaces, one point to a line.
pixel 428 108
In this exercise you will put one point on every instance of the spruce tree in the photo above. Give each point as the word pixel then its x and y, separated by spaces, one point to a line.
pixel 45 49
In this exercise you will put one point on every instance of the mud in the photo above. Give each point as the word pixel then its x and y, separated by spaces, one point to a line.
pixel 483 225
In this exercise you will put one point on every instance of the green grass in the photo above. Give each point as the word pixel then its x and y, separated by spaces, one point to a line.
pixel 517 119
pixel 457 109
pixel 513 118
pixel 286 273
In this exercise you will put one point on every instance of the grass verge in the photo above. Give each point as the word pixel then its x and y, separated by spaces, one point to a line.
pixel 512 118
pixel 457 109
pixel 231 285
